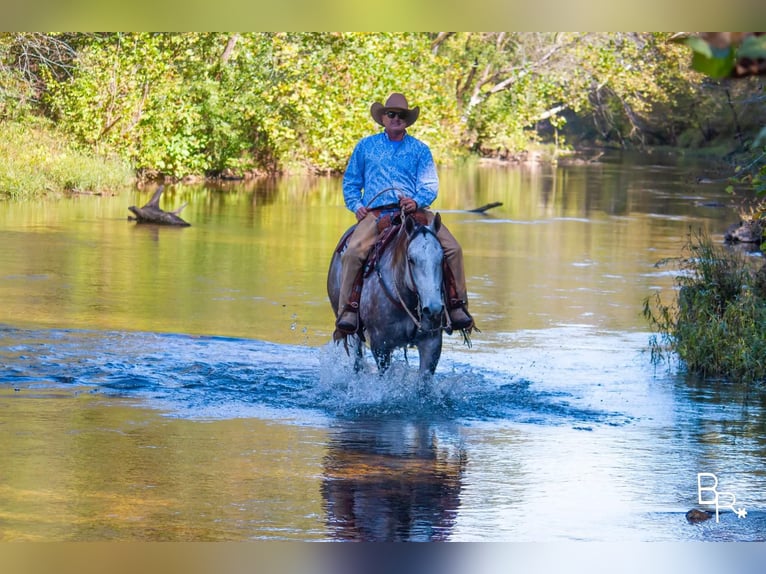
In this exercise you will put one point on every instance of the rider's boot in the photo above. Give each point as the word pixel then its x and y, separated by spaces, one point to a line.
pixel 348 320
pixel 348 299
pixel 352 264
pixel 459 316
pixel 457 300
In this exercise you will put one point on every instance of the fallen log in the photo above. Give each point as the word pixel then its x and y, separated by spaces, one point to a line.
pixel 484 208
pixel 151 212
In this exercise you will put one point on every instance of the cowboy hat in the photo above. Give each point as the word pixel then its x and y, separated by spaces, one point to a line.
pixel 396 103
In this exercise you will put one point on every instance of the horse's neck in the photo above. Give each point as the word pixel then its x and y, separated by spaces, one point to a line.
pixel 397 271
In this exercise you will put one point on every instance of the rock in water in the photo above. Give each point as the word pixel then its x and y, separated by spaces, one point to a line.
pixel 744 232
pixel 695 516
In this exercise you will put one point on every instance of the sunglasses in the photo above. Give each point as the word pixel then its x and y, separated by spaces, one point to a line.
pixel 400 115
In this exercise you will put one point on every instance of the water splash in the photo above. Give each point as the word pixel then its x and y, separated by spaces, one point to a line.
pixel 216 377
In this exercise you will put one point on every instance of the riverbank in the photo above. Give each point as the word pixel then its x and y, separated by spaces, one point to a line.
pixel 39 160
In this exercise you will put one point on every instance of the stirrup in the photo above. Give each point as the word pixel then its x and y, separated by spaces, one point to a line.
pixel 463 323
pixel 346 327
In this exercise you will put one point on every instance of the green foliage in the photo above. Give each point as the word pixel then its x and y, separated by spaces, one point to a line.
pixel 709 60
pixel 166 102
pixel 194 103
pixel 14 92
pixel 639 94
pixel 718 59
pixel 716 324
pixel 327 83
pixel 22 56
pixel 48 163
pixel 169 102
pixel 726 55
pixel 505 83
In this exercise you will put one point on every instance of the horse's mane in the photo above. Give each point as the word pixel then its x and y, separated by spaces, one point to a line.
pixel 399 250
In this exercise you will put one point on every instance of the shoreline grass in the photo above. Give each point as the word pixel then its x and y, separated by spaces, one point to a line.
pixel 715 325
pixel 36 160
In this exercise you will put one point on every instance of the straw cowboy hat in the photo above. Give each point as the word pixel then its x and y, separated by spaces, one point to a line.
pixel 394 103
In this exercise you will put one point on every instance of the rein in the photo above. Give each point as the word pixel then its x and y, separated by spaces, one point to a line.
pixel 381 192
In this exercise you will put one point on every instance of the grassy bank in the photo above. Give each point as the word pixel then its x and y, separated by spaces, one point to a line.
pixel 715 325
pixel 36 160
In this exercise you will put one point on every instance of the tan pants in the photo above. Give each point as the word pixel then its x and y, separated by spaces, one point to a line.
pixel 362 240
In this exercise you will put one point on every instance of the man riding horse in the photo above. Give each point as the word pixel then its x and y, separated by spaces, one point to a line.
pixel 390 172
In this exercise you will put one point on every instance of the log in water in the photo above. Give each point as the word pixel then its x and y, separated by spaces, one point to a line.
pixel 151 212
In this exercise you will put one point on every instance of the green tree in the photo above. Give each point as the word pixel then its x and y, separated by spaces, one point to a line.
pixel 187 103
pixel 506 82
pixel 326 83
pixel 192 103
pixel 23 59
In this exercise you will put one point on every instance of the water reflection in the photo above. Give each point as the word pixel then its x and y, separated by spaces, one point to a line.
pixel 272 439
pixel 569 244
pixel 391 481
pixel 726 420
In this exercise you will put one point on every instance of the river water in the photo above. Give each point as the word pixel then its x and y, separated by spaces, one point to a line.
pixel 174 384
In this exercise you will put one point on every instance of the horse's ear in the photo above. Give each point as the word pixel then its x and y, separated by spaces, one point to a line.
pixel 437 222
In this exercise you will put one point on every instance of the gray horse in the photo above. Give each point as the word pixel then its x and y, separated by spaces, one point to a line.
pixel 402 301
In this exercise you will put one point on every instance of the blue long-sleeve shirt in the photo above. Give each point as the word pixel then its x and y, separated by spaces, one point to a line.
pixel 378 163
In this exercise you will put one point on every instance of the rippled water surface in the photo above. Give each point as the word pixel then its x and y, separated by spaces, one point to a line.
pixel 180 384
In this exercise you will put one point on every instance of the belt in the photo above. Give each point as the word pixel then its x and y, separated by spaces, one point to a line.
pixel 390 207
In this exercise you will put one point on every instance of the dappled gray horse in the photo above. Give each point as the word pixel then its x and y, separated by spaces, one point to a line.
pixel 402 302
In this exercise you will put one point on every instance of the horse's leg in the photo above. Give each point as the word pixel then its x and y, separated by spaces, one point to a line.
pixel 430 351
pixel 382 359
pixel 358 354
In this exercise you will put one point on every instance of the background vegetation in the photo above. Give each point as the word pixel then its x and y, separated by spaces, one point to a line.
pixel 177 104
pixel 38 161
pixel 716 324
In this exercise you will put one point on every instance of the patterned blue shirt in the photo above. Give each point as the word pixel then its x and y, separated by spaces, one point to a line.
pixel 378 163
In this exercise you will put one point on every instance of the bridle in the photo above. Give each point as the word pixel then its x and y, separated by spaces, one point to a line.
pixel 393 292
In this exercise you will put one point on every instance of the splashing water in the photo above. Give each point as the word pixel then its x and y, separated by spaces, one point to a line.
pixel 214 377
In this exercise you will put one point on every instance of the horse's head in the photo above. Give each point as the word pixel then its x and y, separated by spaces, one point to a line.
pixel 424 260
